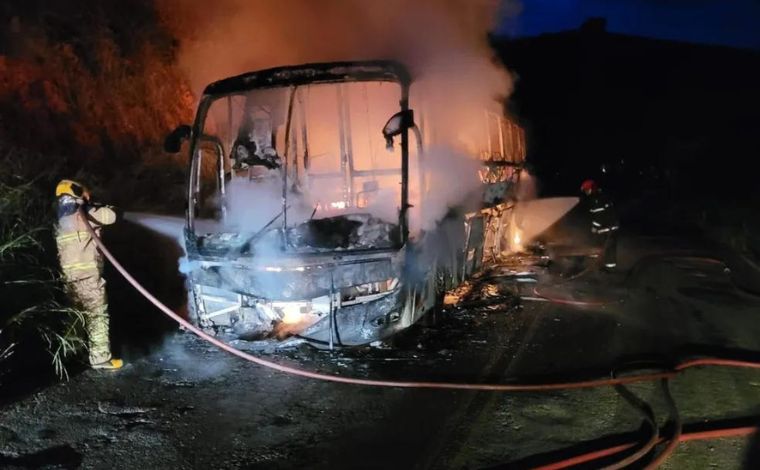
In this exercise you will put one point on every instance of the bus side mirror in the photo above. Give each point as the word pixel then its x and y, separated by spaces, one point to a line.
pixel 397 124
pixel 173 141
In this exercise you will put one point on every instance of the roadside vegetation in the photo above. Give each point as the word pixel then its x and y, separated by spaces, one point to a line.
pixel 88 90
pixel 34 314
pixel 95 82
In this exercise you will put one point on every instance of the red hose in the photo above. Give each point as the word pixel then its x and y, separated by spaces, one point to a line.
pixel 678 431
pixel 392 383
pixel 403 384
pixel 356 381
pixel 574 303
pixel 718 433
pixel 714 361
pixel 581 303
pixel 728 432
pixel 587 457
pixel 684 437
pixel 648 414
pixel 699 259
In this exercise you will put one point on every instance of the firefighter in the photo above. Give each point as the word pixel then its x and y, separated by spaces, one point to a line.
pixel 82 265
pixel 604 222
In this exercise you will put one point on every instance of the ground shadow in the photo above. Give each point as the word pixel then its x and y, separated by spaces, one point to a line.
pixel 64 457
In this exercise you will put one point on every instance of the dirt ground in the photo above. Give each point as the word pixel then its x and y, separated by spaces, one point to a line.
pixel 185 404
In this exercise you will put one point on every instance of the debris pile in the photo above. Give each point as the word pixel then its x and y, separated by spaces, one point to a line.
pixel 346 232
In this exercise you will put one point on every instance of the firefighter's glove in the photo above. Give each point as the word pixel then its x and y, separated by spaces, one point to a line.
pixel 117 211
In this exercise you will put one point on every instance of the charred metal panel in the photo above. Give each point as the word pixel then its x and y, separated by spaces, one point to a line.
pixel 304 282
pixel 474 247
pixel 497 221
pixel 332 72
pixel 360 324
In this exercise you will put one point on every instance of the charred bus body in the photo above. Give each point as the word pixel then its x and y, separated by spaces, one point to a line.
pixel 304 186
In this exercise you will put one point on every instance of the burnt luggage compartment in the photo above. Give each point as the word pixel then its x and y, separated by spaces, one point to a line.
pixel 298 206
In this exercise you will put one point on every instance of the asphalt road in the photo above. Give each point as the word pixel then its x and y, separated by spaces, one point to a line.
pixel 187 405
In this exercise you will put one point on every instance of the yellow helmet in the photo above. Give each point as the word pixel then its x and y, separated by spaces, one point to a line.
pixel 71 188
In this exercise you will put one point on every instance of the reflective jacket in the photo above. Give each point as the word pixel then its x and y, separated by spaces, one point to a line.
pixel 77 251
pixel 604 218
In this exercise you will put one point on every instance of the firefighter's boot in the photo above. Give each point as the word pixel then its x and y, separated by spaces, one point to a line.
pixel 111 364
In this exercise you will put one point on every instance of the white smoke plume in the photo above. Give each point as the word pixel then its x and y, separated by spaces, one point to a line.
pixel 167 225
pixel 442 37
pixel 443 42
pixel 451 179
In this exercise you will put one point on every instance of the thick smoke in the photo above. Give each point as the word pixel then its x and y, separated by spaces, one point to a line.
pixel 453 180
pixel 440 37
pixel 457 81
pixel 443 42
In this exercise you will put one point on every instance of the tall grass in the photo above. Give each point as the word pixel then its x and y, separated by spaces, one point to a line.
pixel 88 90
pixel 34 308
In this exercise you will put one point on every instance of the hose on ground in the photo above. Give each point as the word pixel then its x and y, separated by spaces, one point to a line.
pixel 515 387
pixel 645 410
pixel 677 429
pixel 728 432
pixel 573 303
pixel 649 418
pixel 596 303
pixel 352 380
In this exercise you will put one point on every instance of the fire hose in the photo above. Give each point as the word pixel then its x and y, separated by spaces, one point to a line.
pixel 351 380
pixel 598 303
pixel 573 303
pixel 739 431
pixel 513 387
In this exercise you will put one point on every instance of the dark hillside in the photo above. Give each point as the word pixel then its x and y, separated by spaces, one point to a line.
pixel 657 114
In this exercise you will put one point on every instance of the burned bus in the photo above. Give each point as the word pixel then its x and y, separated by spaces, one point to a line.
pixel 305 188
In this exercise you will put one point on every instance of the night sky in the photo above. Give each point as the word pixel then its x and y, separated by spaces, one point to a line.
pixel 725 22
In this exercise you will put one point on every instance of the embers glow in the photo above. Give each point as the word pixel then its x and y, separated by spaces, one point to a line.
pixel 292 314
pixel 303 313
pixel 295 317
pixel 517 240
